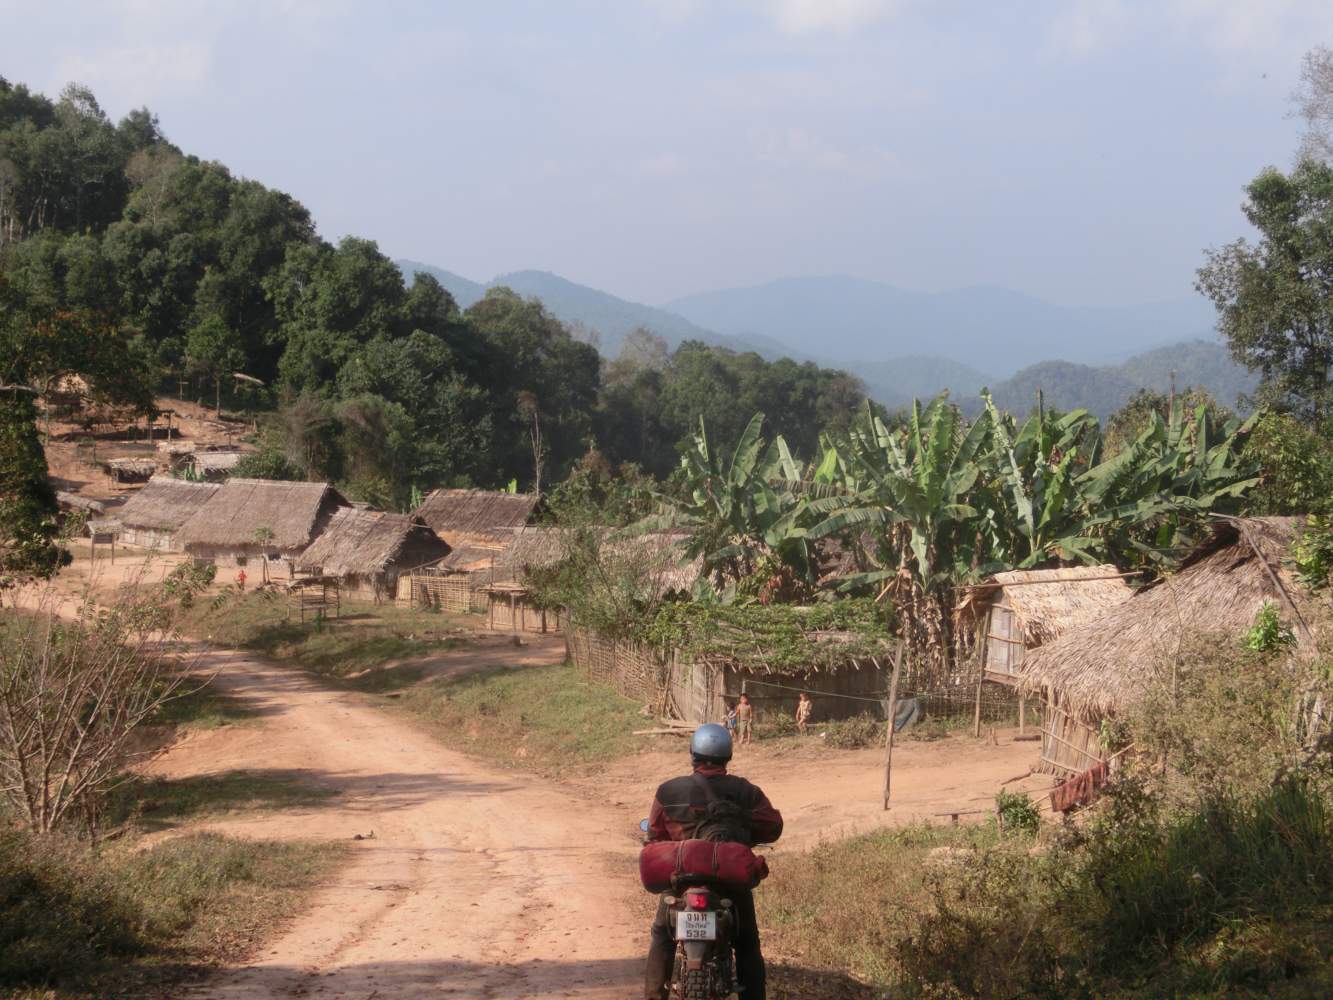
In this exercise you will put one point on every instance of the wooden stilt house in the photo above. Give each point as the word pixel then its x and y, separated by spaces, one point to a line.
pixel 1102 668
pixel 366 551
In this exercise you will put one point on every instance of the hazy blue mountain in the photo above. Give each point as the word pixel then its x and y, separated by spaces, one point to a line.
pixel 898 381
pixel 464 291
pixel 994 329
pixel 1103 390
pixel 590 311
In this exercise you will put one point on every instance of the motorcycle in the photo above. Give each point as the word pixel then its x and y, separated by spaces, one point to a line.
pixel 703 924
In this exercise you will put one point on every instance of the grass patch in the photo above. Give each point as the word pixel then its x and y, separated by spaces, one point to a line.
pixel 203 707
pixel 82 923
pixel 545 718
pixel 156 803
pixel 841 906
pixel 352 649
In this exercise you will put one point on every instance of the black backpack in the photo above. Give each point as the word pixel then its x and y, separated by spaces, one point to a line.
pixel 724 820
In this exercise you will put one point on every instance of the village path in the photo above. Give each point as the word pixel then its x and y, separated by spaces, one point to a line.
pixel 477 882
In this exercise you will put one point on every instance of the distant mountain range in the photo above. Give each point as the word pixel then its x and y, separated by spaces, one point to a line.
pixel 907 345
pixel 994 329
pixel 590 311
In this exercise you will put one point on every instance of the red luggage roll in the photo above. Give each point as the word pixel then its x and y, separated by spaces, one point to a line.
pixel 724 862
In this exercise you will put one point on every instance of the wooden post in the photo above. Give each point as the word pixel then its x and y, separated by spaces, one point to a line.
pixel 892 713
pixel 1022 714
pixel 983 631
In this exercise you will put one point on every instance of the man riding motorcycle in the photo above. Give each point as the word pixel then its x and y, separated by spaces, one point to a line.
pixel 711 804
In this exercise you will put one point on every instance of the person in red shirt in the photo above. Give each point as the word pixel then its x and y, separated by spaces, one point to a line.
pixel 680 811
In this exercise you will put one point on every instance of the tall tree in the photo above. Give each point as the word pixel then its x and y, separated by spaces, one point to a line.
pixel 1274 298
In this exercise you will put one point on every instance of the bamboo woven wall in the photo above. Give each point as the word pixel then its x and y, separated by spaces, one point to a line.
pixel 1067 745
pixel 628 667
pixel 519 614
pixel 449 592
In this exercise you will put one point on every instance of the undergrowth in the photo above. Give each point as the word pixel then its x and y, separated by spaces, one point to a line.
pixel 548 718
pixel 82 923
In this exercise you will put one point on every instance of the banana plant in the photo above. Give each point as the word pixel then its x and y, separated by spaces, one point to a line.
pixel 915 489
pixel 736 508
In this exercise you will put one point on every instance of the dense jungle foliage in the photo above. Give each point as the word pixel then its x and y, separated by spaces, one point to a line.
pixel 137 266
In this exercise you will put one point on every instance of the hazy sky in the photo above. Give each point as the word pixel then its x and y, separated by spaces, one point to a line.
pixel 1084 151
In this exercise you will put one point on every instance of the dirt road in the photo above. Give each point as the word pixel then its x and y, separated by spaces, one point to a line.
pixel 477 882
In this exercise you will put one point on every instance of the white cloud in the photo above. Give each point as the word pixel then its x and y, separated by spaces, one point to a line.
pixel 800 17
pixel 663 165
pixel 794 146
pixel 130 75
pixel 1082 28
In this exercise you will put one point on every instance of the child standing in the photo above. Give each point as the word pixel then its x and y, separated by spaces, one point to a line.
pixel 731 720
pixel 744 720
pixel 803 708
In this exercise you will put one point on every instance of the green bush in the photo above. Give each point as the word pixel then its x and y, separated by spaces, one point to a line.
pixel 61 915
pixel 1017 812
pixel 850 734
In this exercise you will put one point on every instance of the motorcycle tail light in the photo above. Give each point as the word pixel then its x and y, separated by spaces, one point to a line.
pixel 696 900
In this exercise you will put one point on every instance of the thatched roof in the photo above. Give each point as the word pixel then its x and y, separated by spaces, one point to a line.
pixel 364 542
pixel 131 466
pixel 164 504
pixel 293 512
pixel 481 518
pixel 73 501
pixel 217 461
pixel 1048 602
pixel 1108 662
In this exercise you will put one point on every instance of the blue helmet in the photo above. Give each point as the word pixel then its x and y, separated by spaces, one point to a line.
pixel 711 742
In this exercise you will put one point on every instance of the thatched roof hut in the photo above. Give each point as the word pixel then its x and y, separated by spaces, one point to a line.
pixel 1102 667
pixel 368 549
pixel 1023 609
pixel 215 465
pixel 154 515
pixel 130 470
pixel 74 502
pixel 248 517
pixel 477 518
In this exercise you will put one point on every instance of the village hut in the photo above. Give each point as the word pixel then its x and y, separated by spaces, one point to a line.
pixel 1103 667
pixel 214 466
pixel 130 470
pixel 478 525
pixel 73 503
pixel 367 551
pixel 477 518
pixel 1020 610
pixel 152 517
pixel 259 519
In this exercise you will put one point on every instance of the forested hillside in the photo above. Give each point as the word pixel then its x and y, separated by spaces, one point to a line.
pixel 136 265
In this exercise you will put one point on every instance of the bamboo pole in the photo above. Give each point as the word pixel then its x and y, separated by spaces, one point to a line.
pixel 893 713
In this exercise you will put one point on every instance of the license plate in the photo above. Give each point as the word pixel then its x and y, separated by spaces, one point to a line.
pixel 692 925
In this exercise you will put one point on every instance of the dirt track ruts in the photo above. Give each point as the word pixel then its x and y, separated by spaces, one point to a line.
pixel 478 882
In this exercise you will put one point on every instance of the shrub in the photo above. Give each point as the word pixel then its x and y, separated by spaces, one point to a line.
pixel 60 915
pixel 859 731
pixel 1017 812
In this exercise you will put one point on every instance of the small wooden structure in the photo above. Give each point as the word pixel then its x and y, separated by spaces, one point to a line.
pixel 368 551
pixel 129 470
pixel 259 519
pixel 214 466
pixel 477 518
pixel 1019 610
pixel 314 598
pixel 1092 672
pixel 151 517
pixel 697 690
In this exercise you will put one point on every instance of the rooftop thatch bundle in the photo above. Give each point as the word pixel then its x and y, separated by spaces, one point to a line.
pixel 288 515
pixel 72 501
pixel 1047 602
pixel 164 504
pixel 365 543
pixel 1105 664
pixel 479 518
pixel 215 462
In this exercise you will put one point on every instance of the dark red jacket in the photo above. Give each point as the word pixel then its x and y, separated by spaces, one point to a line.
pixel 679 806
